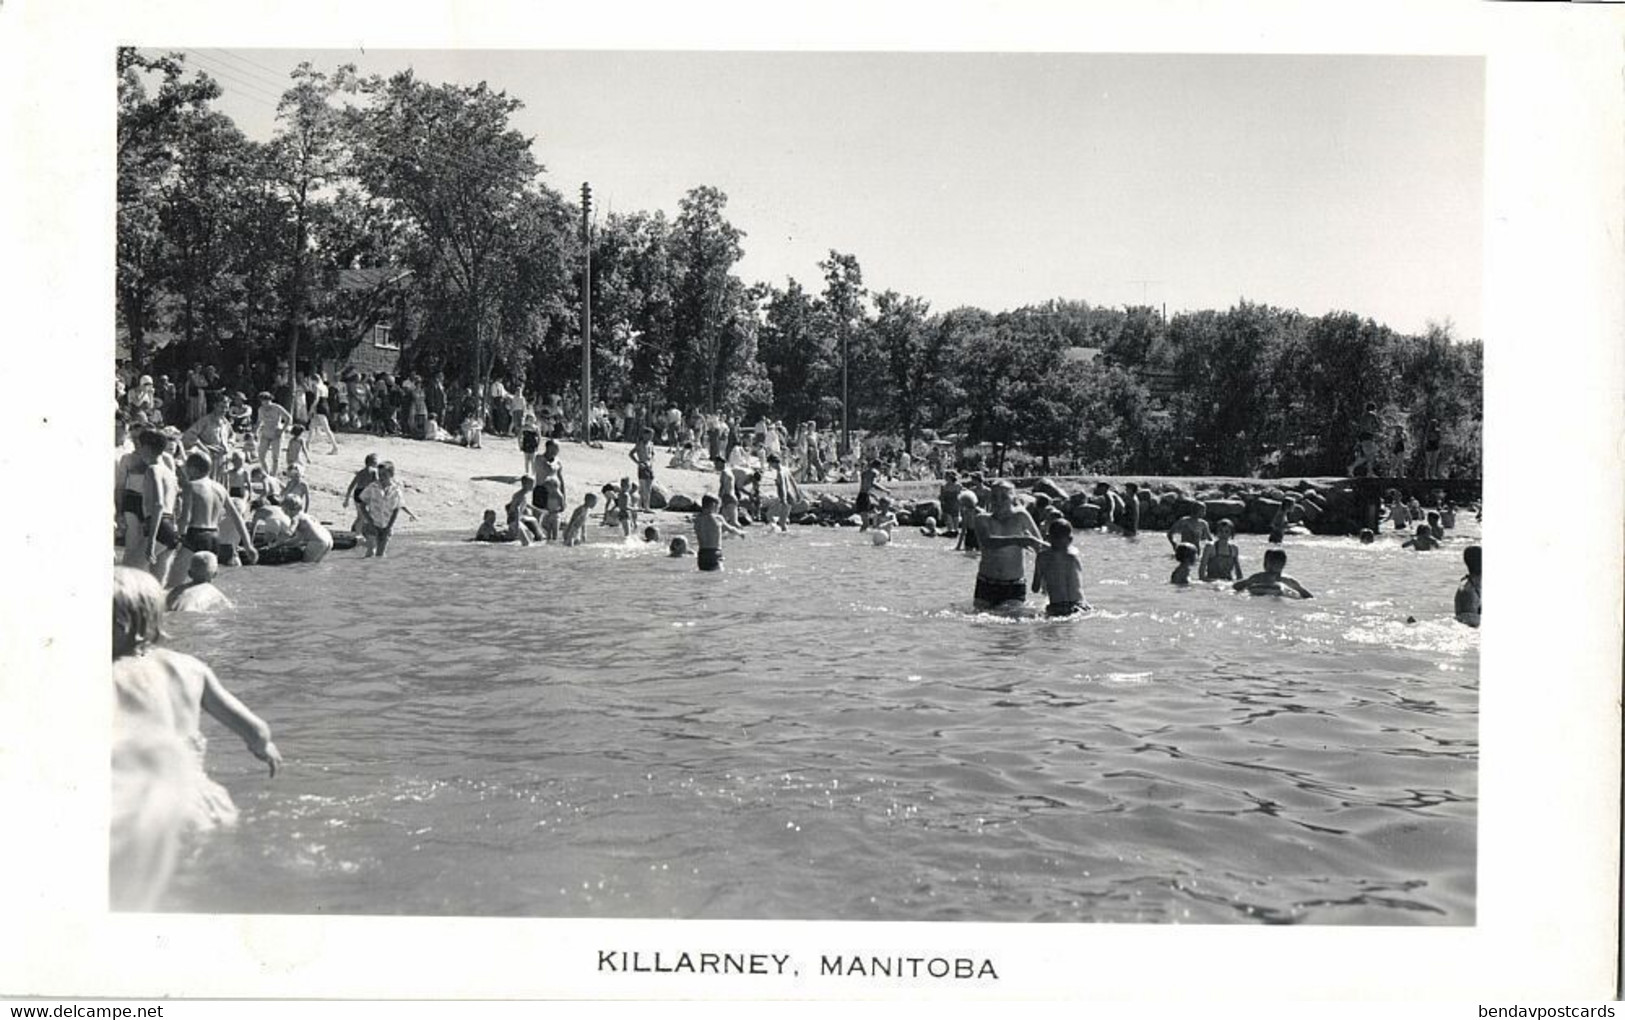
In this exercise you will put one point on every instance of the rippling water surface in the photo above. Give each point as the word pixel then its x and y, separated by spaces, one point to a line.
pixel 827 731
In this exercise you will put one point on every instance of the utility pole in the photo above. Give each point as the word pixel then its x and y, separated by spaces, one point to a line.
pixel 586 312
pixel 846 433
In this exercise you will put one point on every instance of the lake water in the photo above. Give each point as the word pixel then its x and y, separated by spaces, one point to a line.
pixel 825 731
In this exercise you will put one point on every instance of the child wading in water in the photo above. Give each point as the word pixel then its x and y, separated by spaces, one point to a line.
pixel 1185 554
pixel 381 503
pixel 159 788
pixel 1470 594
pixel 1220 560
pixel 575 531
pixel 708 529
pixel 1059 571
pixel 1423 540
pixel 198 594
pixel 1270 580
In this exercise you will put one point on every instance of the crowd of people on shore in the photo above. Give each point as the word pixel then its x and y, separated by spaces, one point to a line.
pixel 230 489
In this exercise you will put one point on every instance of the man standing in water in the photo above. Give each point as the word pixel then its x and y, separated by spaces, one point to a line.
pixel 1002 534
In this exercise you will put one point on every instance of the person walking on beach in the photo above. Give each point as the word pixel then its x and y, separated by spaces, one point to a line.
pixel 273 419
pixel 1001 535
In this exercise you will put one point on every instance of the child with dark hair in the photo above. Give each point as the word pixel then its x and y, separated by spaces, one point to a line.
pixel 1271 580
pixel 1470 593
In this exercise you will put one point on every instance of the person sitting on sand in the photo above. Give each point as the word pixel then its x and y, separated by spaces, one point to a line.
pixel 967 522
pixel 489 532
pixel 198 594
pixel 383 501
pixel 575 532
pixel 1185 560
pixel 1470 593
pixel 1058 570
pixel 1191 528
pixel 522 523
pixel 204 505
pixel 1220 560
pixel 1001 535
pixel 1271 580
pixel 308 537
pixel 1422 541
pixel 708 529
pixel 678 547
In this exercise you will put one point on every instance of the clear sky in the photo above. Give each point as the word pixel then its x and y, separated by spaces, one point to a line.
pixel 997 180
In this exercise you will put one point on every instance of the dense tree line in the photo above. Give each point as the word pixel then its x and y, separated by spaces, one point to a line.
pixel 235 250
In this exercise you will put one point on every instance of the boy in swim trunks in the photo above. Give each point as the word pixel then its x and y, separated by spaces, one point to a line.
pixel 1131 509
pixel 780 514
pixel 358 484
pixel 575 531
pixel 868 485
pixel 1470 594
pixel 1271 580
pixel 678 547
pixel 1001 535
pixel 198 594
pixel 624 508
pixel 159 493
pixel 708 529
pixel 948 501
pixel 1059 571
pixel 204 503
pixel 1220 560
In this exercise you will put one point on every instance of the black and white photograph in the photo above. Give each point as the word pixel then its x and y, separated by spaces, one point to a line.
pixel 1022 492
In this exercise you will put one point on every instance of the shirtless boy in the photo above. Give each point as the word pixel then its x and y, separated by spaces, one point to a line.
pixel 575 531
pixel 1470 594
pixel 1059 571
pixel 1270 580
pixel 1001 535
pixel 522 522
pixel 708 529
pixel 868 485
pixel 1191 528
pixel 198 594
pixel 159 494
pixel 204 503
pixel 1422 541
pixel 308 536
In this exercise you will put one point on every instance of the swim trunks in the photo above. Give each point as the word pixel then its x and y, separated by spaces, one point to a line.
pixel 994 592
pixel 710 559
pixel 530 442
pixel 864 502
pixel 168 535
pixel 200 539
pixel 235 492
pixel 972 543
pixel 1065 608
pixel 645 473
pixel 227 554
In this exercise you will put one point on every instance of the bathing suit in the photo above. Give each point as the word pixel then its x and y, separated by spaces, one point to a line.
pixel 710 559
pixel 864 503
pixel 235 492
pixel 645 473
pixel 530 441
pixel 200 539
pixel 130 503
pixel 1065 608
pixel 1221 564
pixel 971 541
pixel 168 535
pixel 994 592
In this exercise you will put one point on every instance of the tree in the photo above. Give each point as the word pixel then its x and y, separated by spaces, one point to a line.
pixel 913 350
pixel 796 353
pixel 713 311
pixel 447 157
pixel 844 313
pixel 306 154
pixel 148 132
